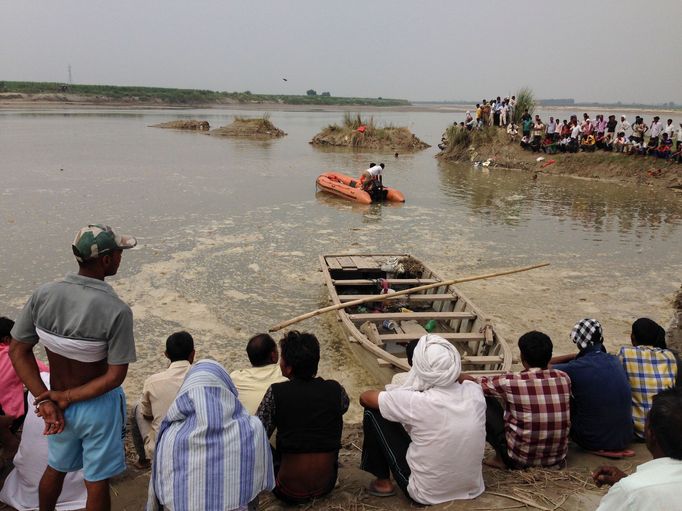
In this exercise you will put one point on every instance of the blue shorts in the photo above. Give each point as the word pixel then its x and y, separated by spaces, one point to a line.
pixel 92 438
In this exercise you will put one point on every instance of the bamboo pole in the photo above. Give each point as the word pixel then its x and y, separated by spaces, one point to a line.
pixel 398 294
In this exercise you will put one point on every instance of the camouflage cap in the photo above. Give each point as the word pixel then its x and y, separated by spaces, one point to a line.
pixel 96 240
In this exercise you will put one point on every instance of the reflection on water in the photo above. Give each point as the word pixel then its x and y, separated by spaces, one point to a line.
pixel 513 198
pixel 230 230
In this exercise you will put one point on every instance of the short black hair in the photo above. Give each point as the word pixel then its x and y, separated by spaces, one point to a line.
pixel 409 350
pixel 536 348
pixel 259 348
pixel 179 346
pixel 301 352
pixel 6 326
pixel 665 421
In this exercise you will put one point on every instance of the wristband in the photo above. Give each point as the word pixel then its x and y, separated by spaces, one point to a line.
pixel 41 402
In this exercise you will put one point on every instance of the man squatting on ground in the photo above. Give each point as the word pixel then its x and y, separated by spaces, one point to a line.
pixel 253 382
pixel 158 394
pixel 87 332
pixel 655 484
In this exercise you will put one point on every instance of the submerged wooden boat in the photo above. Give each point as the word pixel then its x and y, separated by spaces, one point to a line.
pixel 349 188
pixel 379 331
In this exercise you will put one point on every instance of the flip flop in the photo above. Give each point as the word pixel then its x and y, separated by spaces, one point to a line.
pixel 372 490
pixel 626 453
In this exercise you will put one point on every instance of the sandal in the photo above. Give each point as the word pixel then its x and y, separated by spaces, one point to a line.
pixel 626 453
pixel 375 492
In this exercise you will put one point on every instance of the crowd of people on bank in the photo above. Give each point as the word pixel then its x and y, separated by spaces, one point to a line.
pixel 573 135
pixel 216 440
pixel 664 141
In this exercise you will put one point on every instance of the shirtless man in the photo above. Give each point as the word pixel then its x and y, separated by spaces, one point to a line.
pixel 87 332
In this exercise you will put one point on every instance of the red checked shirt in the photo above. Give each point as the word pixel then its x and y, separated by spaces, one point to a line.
pixel 537 414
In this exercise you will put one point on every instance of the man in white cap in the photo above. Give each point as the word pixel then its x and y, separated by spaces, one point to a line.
pixel 429 432
pixel 87 333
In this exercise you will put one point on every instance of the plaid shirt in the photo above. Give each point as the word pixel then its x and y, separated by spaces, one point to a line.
pixel 649 371
pixel 537 414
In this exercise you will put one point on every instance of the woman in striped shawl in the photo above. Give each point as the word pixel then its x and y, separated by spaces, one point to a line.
pixel 211 455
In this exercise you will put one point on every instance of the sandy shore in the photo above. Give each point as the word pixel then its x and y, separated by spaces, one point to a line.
pixel 567 489
pixel 65 101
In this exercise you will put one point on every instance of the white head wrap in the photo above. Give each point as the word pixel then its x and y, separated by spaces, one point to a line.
pixel 435 363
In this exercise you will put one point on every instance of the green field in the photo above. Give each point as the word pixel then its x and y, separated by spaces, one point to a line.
pixel 185 96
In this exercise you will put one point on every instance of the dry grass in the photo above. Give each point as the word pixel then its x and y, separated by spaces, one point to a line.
pixel 374 136
pixel 254 127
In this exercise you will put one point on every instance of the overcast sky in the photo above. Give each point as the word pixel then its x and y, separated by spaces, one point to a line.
pixel 599 50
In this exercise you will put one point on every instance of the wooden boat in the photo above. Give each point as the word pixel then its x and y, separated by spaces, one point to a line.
pixel 349 188
pixel 443 310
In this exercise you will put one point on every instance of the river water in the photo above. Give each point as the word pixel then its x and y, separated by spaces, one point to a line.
pixel 230 230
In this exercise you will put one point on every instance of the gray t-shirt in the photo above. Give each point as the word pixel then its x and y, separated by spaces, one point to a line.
pixel 82 309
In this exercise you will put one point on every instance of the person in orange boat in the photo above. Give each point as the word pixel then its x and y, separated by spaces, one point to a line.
pixel 371 178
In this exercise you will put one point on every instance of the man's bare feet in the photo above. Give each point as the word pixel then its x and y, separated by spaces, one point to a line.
pixel 495 462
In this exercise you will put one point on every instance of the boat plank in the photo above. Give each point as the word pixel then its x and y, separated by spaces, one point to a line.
pixel 483 360
pixel 333 263
pixel 414 298
pixel 369 282
pixel 346 263
pixel 450 336
pixel 411 315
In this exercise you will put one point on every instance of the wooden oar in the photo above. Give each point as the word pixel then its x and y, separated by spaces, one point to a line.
pixel 397 294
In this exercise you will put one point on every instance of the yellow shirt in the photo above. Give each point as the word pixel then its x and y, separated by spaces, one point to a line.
pixel 650 370
pixel 158 393
pixel 252 383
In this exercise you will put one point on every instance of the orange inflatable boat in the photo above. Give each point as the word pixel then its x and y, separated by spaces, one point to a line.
pixel 349 188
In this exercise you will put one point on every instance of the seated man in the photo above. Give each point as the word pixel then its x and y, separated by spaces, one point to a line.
pixel 399 378
pixel 512 132
pixel 252 383
pixel 526 435
pixel 12 398
pixel 601 402
pixel 158 393
pixel 664 149
pixel 20 490
pixel 650 368
pixel 307 412
pixel 588 143
pixel 620 143
pixel 429 432
pixel 655 484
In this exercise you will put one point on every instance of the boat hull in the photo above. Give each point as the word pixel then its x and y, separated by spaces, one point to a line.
pixel 441 310
pixel 349 188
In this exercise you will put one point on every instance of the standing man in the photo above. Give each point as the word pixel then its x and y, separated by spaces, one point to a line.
pixel 87 332
pixel 655 132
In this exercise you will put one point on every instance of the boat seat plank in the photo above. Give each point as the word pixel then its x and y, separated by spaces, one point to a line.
pixel 414 297
pixel 466 360
pixel 365 263
pixel 411 315
pixel 411 327
pixel 450 336
pixel 346 263
pixel 368 282
pixel 475 359
pixel 333 263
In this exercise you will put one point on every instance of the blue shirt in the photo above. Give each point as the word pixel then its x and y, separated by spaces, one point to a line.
pixel 601 402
